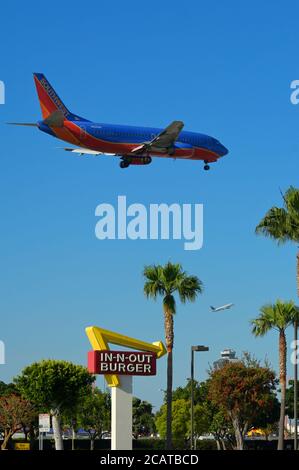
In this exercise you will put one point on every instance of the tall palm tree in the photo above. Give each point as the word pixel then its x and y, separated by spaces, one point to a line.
pixel 165 281
pixel 282 223
pixel 278 317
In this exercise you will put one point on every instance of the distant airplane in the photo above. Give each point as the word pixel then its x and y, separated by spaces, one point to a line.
pixel 223 307
pixel 134 145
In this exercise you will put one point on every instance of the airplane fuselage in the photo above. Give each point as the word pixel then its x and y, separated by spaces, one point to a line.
pixel 223 307
pixel 122 139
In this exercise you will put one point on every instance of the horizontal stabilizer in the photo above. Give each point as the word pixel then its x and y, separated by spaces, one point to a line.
pixel 32 124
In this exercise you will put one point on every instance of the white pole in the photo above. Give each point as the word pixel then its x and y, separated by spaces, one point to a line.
pixel 121 414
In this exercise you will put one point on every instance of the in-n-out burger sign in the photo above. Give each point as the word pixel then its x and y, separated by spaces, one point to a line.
pixel 122 362
pixel 114 364
pixel 118 368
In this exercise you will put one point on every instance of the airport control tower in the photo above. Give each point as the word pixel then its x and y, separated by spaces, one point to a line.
pixel 227 355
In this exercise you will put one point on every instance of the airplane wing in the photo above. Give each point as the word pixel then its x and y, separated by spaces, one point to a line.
pixel 82 151
pixel 163 142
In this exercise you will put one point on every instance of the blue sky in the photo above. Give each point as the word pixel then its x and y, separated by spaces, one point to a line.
pixel 225 69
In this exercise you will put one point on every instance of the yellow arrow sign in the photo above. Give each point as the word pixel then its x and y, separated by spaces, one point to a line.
pixel 100 339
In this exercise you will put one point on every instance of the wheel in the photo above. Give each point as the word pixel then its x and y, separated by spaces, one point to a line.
pixel 206 167
pixel 124 164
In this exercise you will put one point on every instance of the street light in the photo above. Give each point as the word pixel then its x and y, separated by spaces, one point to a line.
pixel 194 348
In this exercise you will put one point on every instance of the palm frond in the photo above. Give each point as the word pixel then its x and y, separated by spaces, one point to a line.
pixel 275 225
pixel 154 283
pixel 168 279
pixel 291 200
pixel 274 316
pixel 189 287
pixel 282 224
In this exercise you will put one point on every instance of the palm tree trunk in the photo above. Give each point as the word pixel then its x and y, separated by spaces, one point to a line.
pixel 169 336
pixel 298 274
pixel 282 381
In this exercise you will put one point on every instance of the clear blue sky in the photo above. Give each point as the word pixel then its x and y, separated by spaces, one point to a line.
pixel 224 68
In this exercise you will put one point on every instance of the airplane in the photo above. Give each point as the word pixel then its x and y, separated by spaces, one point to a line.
pixel 223 307
pixel 133 145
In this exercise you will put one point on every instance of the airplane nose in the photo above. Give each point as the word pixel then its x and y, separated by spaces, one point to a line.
pixel 223 150
pixel 220 149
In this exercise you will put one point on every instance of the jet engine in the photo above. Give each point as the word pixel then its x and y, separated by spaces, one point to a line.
pixel 140 160
pixel 127 161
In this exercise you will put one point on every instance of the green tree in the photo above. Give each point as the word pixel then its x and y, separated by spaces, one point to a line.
pixel 282 223
pixel 166 281
pixel 220 426
pixel 180 419
pixel 15 414
pixel 199 390
pixel 277 317
pixel 242 392
pixel 208 418
pixel 57 387
pixel 6 389
pixel 143 418
pixel 202 419
pixel 93 414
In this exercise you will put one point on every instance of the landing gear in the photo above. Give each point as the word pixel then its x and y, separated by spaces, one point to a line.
pixel 124 164
pixel 207 166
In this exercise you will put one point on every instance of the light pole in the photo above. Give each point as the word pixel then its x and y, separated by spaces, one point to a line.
pixel 194 348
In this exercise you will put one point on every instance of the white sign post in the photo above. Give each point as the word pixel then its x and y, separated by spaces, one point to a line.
pixel 118 368
pixel 44 424
pixel 121 414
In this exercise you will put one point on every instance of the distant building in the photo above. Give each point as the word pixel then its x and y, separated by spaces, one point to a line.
pixel 227 355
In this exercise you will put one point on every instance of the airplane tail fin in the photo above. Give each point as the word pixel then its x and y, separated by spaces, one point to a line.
pixel 212 308
pixel 49 100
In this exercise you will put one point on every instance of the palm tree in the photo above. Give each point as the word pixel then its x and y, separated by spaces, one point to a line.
pixel 282 223
pixel 278 317
pixel 166 281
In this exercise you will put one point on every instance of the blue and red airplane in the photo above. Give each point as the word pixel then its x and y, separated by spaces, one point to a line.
pixel 134 145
